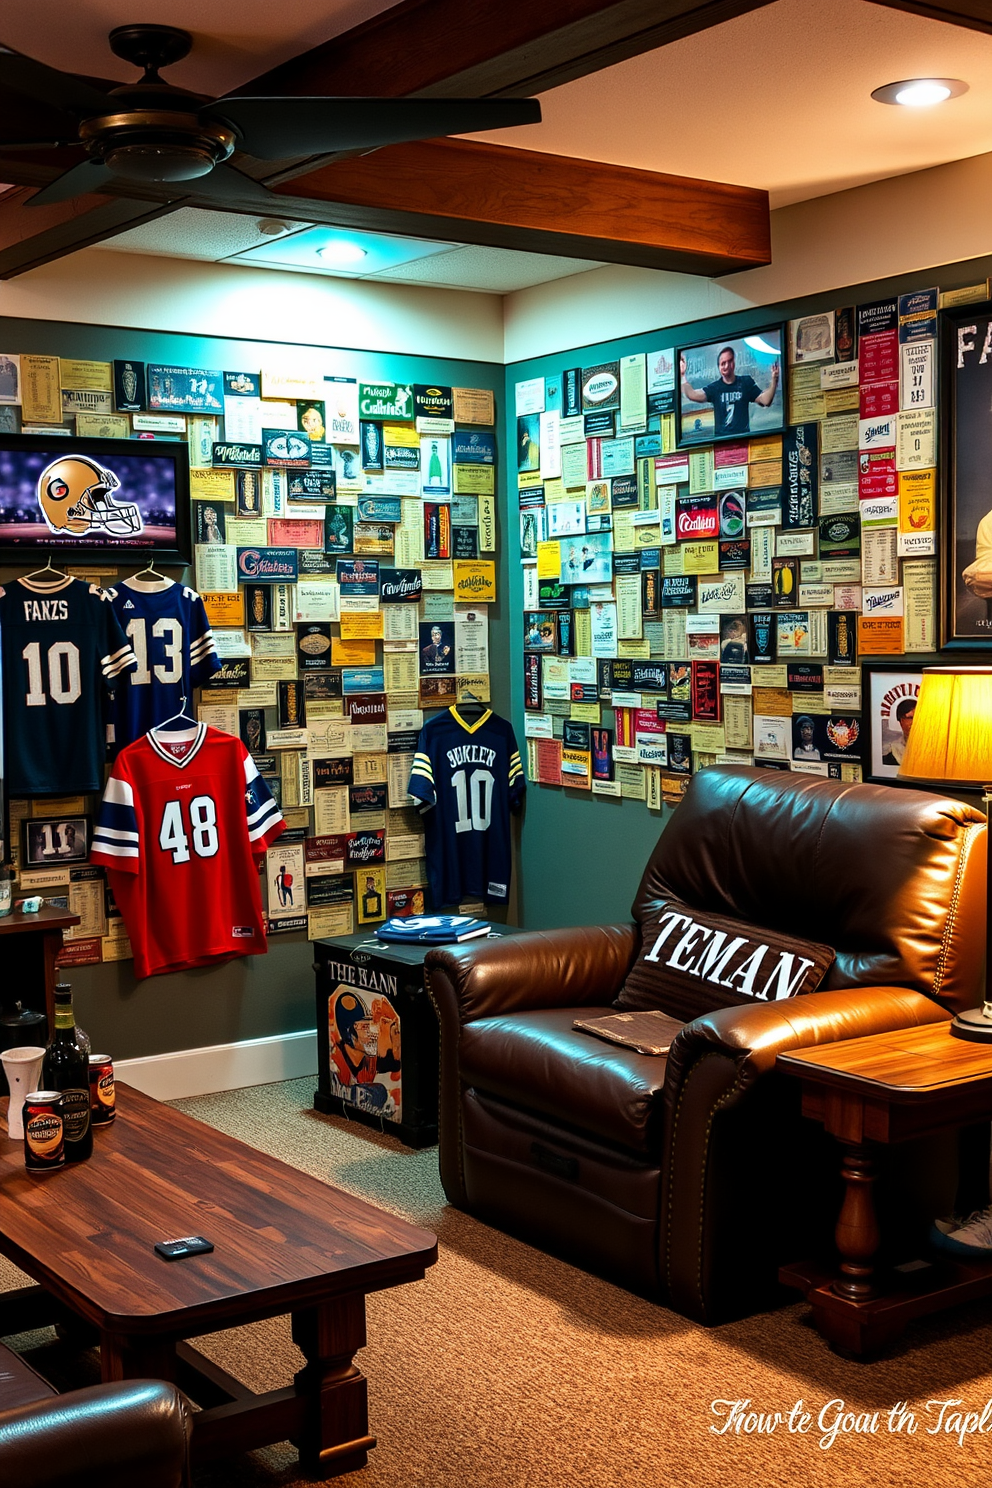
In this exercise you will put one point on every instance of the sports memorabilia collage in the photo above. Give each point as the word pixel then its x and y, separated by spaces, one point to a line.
pixel 717 538
pixel 343 538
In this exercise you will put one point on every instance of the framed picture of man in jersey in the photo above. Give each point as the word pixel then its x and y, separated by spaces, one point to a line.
pixel 731 388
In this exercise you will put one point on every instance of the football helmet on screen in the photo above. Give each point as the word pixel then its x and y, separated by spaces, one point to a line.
pixel 74 496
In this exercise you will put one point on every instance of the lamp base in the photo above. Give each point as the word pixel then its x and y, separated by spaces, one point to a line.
pixel 973 1026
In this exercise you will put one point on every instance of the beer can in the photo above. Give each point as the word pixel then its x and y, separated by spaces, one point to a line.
pixel 103 1101
pixel 44 1138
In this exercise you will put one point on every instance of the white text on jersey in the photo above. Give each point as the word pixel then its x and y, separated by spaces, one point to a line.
pixel 470 754
pixel 46 609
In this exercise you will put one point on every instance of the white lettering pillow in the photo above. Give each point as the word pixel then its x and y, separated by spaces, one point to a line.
pixel 692 961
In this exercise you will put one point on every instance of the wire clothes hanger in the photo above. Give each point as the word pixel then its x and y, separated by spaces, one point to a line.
pixel 48 568
pixel 182 717
pixel 150 568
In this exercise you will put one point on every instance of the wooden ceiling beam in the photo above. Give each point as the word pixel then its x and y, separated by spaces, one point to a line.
pixel 974 15
pixel 507 198
pixel 31 236
pixel 441 48
pixel 504 48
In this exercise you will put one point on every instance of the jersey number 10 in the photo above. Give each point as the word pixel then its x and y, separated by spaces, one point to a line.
pixel 474 795
pixel 64 680
pixel 172 834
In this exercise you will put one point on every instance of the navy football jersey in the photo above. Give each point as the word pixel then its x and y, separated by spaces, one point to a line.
pixel 172 640
pixel 63 652
pixel 466 779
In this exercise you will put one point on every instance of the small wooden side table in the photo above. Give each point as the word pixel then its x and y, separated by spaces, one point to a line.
pixel 887 1087
pixel 29 944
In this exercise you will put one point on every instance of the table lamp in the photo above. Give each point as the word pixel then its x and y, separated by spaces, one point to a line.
pixel 950 743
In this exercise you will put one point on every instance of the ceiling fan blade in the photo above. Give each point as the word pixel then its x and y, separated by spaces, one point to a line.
pixel 89 175
pixel 283 128
pixel 60 90
pixel 227 183
pixel 49 144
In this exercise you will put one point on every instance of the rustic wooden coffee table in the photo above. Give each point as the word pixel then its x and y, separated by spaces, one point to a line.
pixel 886 1087
pixel 284 1243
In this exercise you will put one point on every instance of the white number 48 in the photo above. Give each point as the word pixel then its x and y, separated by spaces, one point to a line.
pixel 172 835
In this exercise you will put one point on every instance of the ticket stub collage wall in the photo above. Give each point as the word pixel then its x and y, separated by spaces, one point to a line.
pixel 239 597
pixel 722 541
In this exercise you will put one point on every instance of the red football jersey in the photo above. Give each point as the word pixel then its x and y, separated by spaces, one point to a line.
pixel 184 821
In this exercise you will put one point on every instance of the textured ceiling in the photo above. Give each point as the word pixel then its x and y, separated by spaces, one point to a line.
pixel 190 233
pixel 234 40
pixel 780 99
pixel 498 270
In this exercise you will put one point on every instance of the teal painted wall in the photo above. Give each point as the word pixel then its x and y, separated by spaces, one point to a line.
pixel 262 995
pixel 581 856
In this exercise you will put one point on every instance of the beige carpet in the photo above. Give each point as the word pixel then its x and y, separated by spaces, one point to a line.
pixel 506 1368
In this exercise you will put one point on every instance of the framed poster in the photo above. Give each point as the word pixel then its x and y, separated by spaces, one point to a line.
pixel 890 687
pixel 966 457
pixel 731 388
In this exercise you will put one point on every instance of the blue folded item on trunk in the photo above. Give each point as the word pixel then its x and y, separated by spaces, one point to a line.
pixel 432 929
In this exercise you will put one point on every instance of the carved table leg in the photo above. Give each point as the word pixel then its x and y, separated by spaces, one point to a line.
pixel 857 1234
pixel 336 1438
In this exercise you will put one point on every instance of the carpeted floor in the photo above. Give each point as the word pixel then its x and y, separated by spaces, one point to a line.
pixel 506 1368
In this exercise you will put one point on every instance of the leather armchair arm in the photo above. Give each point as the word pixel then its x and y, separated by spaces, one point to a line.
pixel 732 1137
pixel 116 1435
pixel 754 1034
pixel 580 967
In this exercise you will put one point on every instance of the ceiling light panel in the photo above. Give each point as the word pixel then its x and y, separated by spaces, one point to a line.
pixel 330 250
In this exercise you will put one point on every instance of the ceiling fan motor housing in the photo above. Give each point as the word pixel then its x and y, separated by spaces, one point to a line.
pixel 158 144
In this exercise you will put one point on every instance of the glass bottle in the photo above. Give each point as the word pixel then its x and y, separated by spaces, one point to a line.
pixel 66 1069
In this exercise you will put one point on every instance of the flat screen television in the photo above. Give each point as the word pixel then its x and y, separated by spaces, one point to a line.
pixel 86 496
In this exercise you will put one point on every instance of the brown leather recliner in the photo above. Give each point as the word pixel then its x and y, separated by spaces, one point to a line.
pixel 692 1179
pixel 135 1432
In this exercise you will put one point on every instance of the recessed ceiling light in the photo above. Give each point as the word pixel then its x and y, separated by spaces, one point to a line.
pixel 920 92
pixel 340 252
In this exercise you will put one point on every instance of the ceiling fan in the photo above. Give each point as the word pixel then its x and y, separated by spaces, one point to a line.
pixel 152 133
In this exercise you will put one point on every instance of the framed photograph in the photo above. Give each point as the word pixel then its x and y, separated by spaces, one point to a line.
pixel 966 457
pixel 889 689
pixel 587 560
pixel 185 389
pixel 311 419
pixel 54 839
pixel 731 388
pixel 437 648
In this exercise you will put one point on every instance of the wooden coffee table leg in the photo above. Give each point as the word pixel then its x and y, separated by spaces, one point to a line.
pixel 131 1356
pixel 857 1233
pixel 336 1438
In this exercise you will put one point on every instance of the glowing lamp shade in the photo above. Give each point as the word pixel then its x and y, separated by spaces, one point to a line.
pixel 951 736
pixel 950 740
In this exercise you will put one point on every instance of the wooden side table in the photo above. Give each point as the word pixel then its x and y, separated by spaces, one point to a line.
pixel 29 944
pixel 888 1087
